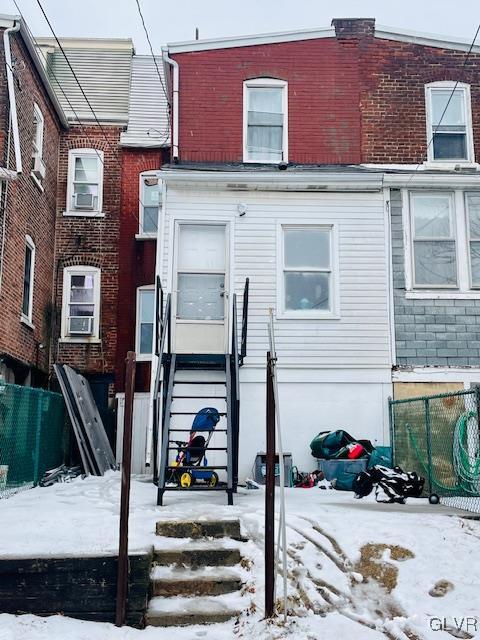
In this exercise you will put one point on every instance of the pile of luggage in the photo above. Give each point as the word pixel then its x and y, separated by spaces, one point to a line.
pixel 358 466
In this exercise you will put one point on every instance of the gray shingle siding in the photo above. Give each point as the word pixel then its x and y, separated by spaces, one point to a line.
pixel 430 332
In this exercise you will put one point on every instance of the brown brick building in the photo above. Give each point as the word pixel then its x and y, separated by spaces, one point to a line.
pixel 27 207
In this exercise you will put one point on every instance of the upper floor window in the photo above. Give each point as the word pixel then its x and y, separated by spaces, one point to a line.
pixel 307 261
pixel 150 189
pixel 265 135
pixel 28 280
pixel 38 165
pixel 81 303
pixel 85 182
pixel 449 122
pixel 145 317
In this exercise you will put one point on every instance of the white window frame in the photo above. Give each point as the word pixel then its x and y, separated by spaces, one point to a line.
pixel 142 356
pixel 84 153
pixel 307 314
pixel 27 318
pixel 141 233
pixel 81 270
pixel 465 89
pixel 257 83
pixel 463 290
pixel 37 143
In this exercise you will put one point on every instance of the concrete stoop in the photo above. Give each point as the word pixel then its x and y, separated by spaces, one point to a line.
pixel 197 581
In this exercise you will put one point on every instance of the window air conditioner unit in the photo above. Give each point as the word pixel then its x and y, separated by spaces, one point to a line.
pixel 80 325
pixel 38 167
pixel 84 200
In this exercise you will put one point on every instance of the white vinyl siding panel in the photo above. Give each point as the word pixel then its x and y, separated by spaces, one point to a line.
pixel 104 75
pixel 360 337
pixel 148 122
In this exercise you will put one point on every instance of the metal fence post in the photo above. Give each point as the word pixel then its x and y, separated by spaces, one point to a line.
pixel 123 568
pixel 391 424
pixel 270 496
pixel 38 433
pixel 429 443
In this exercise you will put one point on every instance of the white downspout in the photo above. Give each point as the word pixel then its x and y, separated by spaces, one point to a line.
pixel 175 92
pixel 11 96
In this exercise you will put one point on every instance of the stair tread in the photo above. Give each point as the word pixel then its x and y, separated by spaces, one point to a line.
pixel 204 397
pixel 195 546
pixel 203 574
pixel 193 466
pixel 196 430
pixel 195 604
pixel 193 413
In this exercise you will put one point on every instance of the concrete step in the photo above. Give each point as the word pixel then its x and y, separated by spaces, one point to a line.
pixel 199 529
pixel 169 612
pixel 208 581
pixel 198 556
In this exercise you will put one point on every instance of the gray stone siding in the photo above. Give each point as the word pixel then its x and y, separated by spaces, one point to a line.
pixel 430 332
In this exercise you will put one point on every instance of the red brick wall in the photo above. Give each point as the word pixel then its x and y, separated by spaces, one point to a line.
pixel 28 211
pixel 394 75
pixel 323 99
pixel 92 242
pixel 353 98
pixel 137 264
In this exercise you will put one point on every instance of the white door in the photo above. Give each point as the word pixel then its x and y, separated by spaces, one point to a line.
pixel 200 288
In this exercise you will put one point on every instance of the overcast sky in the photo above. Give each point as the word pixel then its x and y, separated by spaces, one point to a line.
pixel 174 20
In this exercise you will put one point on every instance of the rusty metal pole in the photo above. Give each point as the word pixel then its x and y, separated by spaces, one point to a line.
pixel 270 497
pixel 123 564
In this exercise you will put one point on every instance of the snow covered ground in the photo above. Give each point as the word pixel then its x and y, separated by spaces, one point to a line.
pixel 356 569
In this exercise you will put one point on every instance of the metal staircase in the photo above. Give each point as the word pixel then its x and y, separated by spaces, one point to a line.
pixel 185 383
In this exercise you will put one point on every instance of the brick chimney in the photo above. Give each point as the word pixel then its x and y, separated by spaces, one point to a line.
pixel 353 27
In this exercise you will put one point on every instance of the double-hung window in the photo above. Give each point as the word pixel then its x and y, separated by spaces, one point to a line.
pixel 85 182
pixel 28 280
pixel 449 122
pixel 150 190
pixel 81 303
pixel 265 121
pixel 145 315
pixel 434 239
pixel 38 165
pixel 307 270
pixel 472 202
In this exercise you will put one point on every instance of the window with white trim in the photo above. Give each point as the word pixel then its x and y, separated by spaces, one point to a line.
pixel 38 165
pixel 443 248
pixel 307 270
pixel 28 280
pixel 265 136
pixel 472 202
pixel 81 303
pixel 145 316
pixel 449 122
pixel 434 242
pixel 85 182
pixel 150 191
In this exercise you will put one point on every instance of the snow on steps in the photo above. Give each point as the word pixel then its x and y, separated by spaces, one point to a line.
pixel 192 580
pixel 211 581
pixel 169 612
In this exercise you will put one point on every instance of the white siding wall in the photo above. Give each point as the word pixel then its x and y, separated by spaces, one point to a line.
pixel 360 337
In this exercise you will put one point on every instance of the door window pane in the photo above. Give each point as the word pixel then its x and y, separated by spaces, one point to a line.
pixel 307 291
pixel 201 247
pixel 307 248
pixel 201 296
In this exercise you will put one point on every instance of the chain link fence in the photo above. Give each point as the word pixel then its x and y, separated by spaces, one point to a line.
pixel 438 437
pixel 33 436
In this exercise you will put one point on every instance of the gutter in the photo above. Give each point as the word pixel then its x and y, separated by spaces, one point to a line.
pixel 11 96
pixel 174 65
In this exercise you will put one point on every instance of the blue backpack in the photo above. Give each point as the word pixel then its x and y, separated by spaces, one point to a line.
pixel 206 419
